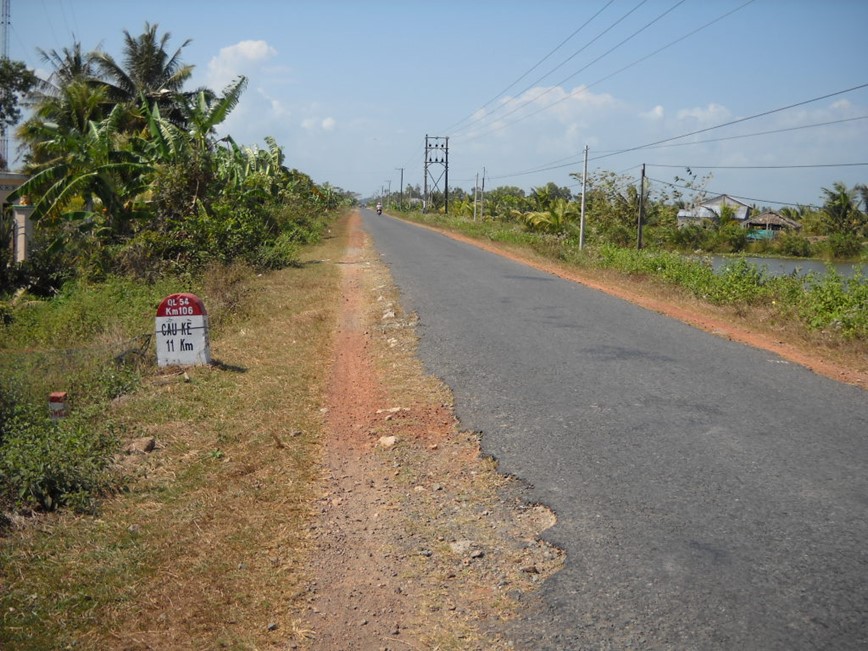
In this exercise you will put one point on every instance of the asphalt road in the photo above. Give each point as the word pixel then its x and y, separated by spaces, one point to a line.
pixel 708 495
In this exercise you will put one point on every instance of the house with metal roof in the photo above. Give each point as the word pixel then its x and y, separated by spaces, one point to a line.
pixel 712 208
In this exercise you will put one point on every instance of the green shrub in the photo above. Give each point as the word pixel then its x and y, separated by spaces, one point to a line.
pixel 281 253
pixel 730 238
pixel 843 245
pixel 42 274
pixel 118 308
pixel 739 283
pixel 689 237
pixel 832 301
pixel 759 247
pixel 46 465
pixel 793 244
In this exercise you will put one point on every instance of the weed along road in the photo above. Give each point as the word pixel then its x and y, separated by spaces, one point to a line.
pixel 708 495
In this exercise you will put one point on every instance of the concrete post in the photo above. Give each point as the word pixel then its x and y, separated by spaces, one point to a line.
pixel 23 231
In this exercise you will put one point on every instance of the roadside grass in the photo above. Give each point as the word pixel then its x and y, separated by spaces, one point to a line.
pixel 205 546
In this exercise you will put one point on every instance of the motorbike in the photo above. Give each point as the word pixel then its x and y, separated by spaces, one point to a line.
pixel 379 210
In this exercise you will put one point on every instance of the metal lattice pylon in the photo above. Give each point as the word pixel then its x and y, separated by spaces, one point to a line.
pixel 436 168
pixel 4 53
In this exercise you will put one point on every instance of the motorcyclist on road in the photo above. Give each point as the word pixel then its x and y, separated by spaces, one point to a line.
pixel 379 208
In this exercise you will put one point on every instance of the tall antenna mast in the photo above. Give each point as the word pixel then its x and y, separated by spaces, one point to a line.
pixel 4 50
pixel 4 54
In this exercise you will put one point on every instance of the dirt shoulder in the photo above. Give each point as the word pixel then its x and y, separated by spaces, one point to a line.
pixel 419 542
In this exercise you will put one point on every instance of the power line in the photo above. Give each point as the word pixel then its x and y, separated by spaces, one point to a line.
pixel 759 167
pixel 535 66
pixel 736 196
pixel 521 105
pixel 758 133
pixel 572 160
pixel 613 74
pixel 738 121
pixel 546 167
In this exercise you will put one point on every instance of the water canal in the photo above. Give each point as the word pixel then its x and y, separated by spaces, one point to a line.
pixel 786 266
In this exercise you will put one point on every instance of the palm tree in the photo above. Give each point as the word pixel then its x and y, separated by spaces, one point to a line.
pixel 67 100
pixel 69 64
pixel 147 72
pixel 557 219
pixel 842 214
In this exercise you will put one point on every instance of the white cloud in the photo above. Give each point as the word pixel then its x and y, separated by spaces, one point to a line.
pixel 711 114
pixel 656 113
pixel 318 124
pixel 243 58
pixel 542 108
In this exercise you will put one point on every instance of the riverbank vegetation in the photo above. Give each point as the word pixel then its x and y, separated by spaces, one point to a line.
pixel 835 230
pixel 548 221
pixel 133 197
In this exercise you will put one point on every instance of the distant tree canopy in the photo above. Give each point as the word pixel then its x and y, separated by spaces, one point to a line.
pixel 127 173
pixel 16 80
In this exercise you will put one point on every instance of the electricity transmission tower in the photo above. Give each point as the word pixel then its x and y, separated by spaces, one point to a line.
pixel 4 54
pixel 436 168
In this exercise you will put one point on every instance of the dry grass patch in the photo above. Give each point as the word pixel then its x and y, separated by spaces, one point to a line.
pixel 206 548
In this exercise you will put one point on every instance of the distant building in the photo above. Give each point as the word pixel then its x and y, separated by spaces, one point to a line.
pixel 711 209
pixel 767 225
pixel 772 221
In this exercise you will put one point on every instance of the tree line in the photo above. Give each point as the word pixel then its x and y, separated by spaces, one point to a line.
pixel 128 176
pixel 837 229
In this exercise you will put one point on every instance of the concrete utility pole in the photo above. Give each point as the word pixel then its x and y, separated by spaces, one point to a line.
pixel 482 196
pixel 641 208
pixel 402 186
pixel 436 154
pixel 475 195
pixel 584 188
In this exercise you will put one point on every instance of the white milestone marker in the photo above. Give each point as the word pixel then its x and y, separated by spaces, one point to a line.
pixel 182 331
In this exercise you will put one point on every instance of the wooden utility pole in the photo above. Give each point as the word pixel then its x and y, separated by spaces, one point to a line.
pixel 641 207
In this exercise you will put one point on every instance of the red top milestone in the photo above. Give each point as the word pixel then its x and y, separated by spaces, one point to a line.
pixel 181 305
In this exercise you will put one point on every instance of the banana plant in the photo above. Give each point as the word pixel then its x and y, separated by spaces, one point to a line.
pixel 98 169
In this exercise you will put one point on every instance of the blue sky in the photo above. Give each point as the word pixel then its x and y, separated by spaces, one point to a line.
pixel 351 88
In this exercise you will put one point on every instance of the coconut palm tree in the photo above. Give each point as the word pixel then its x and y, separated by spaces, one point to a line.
pixel 842 214
pixel 147 72
pixel 66 100
pixel 68 65
pixel 557 219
